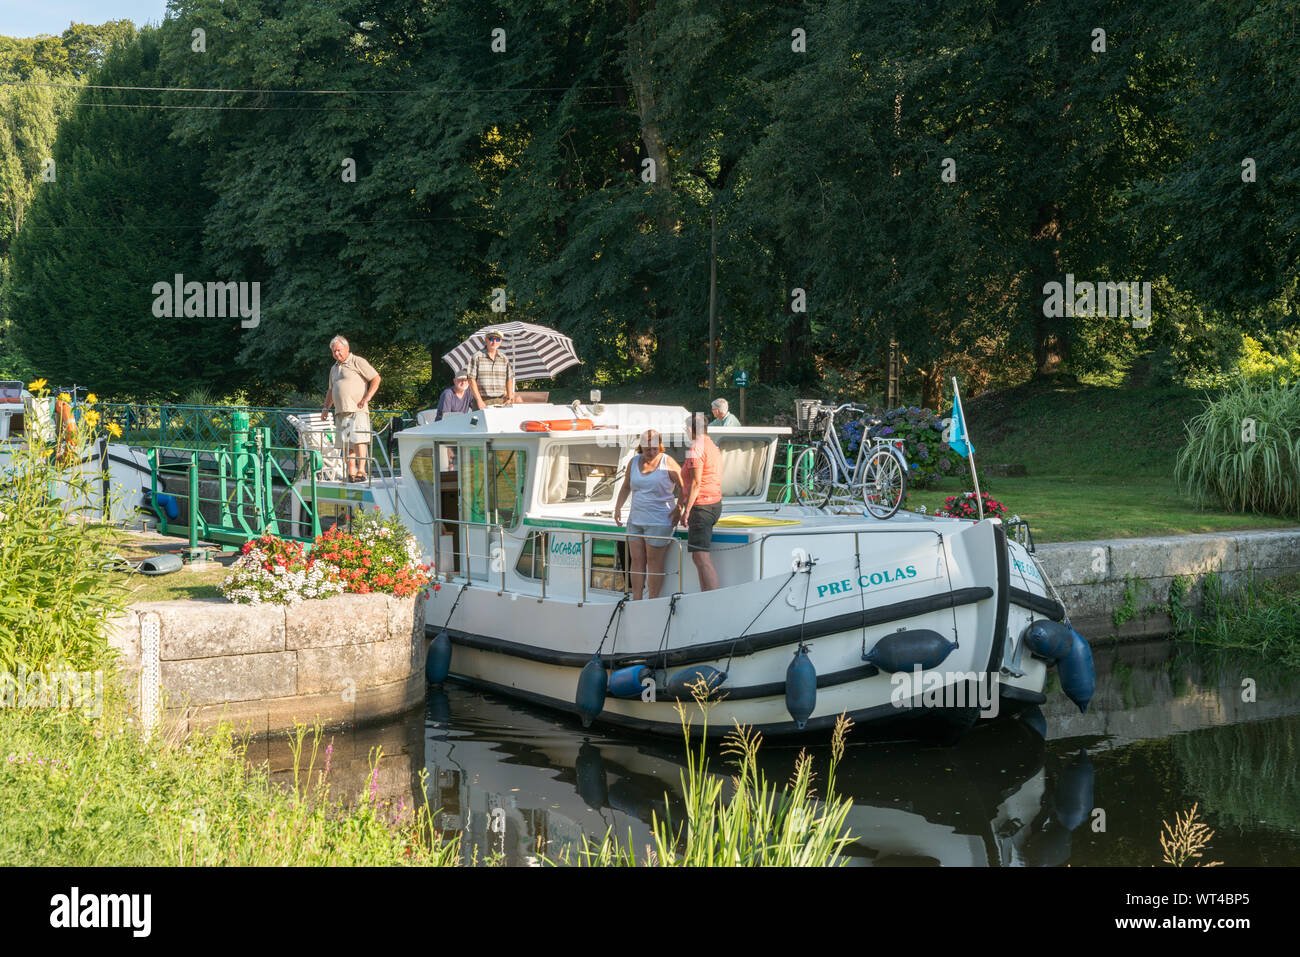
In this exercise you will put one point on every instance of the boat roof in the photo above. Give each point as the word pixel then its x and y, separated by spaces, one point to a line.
pixel 617 419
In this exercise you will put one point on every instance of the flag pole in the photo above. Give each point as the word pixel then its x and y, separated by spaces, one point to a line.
pixel 970 449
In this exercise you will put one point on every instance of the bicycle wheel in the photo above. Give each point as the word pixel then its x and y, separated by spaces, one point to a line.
pixel 814 477
pixel 886 483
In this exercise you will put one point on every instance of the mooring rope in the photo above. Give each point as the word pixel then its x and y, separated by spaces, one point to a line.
pixel 662 650
pixel 732 652
pixel 956 636
pixel 454 604
pixel 1052 588
pixel 616 613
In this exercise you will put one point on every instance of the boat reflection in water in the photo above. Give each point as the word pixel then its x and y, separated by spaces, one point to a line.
pixel 1167 729
pixel 993 800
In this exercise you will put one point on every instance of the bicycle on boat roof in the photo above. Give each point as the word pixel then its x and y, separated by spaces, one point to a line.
pixel 877 474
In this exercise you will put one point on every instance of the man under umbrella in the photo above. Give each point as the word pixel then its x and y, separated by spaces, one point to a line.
pixel 491 374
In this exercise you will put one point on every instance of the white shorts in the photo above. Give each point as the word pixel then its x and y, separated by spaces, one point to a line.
pixel 660 535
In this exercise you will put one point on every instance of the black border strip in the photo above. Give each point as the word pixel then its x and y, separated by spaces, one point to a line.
pixel 714 650
pixel 1041 604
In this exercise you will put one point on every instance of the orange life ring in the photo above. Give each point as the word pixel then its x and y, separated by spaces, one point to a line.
pixel 557 425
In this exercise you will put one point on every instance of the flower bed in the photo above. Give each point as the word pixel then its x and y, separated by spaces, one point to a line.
pixel 374 555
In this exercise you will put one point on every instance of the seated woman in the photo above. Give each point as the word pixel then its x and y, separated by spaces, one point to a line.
pixel 654 481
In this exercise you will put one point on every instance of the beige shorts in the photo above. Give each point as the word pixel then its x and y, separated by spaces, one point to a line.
pixel 354 427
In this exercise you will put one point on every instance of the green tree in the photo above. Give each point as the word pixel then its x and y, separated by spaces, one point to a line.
pixel 125 212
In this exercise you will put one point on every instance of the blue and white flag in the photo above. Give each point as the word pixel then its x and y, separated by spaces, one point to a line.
pixel 960 441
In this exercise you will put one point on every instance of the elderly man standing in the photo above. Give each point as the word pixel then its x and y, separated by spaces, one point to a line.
pixel 353 382
pixel 722 417
pixel 491 375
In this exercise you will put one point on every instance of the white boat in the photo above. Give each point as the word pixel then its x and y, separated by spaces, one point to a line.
pixel 916 625
pixel 112 477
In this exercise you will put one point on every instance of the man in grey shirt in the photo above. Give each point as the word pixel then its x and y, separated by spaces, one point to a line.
pixel 353 383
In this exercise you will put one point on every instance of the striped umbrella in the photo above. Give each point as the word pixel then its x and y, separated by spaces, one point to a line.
pixel 535 351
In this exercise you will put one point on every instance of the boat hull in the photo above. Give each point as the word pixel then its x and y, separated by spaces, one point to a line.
pixel 956 587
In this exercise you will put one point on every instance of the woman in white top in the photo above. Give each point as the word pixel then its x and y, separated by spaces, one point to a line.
pixel 654 481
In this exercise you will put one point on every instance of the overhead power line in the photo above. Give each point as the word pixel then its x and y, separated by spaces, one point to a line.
pixel 430 91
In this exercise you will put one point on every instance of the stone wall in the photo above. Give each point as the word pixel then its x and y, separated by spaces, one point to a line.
pixel 350 658
pixel 1132 576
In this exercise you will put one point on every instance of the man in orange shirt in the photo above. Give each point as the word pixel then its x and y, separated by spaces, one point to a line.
pixel 701 504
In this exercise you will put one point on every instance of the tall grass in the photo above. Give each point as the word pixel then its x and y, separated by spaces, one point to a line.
pixel 77 790
pixel 1259 614
pixel 1243 450
pixel 760 825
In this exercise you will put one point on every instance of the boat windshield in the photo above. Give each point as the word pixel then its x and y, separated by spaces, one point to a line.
pixel 579 472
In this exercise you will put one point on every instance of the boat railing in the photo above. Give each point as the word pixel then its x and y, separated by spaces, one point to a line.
pixel 489 528
pixel 499 530
pixel 207 427
pixel 621 534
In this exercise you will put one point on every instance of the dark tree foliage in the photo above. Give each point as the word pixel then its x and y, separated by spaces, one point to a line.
pixel 912 171
pixel 124 213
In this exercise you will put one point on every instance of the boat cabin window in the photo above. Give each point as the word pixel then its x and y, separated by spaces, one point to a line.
pixel 744 465
pixel 426 479
pixel 335 513
pixel 609 564
pixel 579 472
pixel 532 557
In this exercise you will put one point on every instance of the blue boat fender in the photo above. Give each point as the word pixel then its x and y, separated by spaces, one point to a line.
pixel 168 504
pixel 1074 791
pixel 627 682
pixel 1078 674
pixel 438 662
pixel 589 770
pixel 908 650
pixel 801 688
pixel 1048 639
pixel 592 683
pixel 679 685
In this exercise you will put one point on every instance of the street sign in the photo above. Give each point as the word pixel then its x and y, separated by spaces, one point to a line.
pixel 742 379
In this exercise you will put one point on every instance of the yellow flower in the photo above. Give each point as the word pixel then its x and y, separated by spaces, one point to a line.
pixel 64 397
pixel 36 386
pixel 90 417
pixel 114 430
pixel 91 399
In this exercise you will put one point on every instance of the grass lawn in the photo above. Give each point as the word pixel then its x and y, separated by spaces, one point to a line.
pixel 1099 462
pixel 189 582
pixel 1081 508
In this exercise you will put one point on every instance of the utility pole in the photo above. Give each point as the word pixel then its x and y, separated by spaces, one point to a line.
pixel 713 298
pixel 891 384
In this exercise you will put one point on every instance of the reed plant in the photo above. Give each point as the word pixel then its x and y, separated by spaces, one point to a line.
pixel 1243 450
pixel 760 824
pixel 1186 839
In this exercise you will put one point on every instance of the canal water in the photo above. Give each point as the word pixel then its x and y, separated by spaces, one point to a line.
pixel 1171 726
